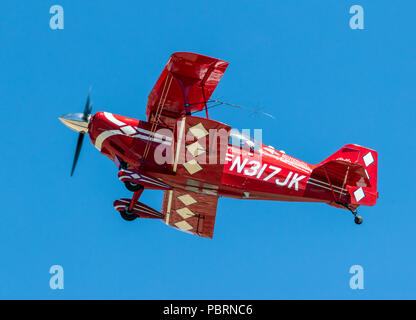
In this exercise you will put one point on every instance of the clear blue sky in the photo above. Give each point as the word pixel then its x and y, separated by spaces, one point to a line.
pixel 326 84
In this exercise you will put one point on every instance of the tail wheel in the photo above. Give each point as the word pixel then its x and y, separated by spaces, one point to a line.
pixel 128 216
pixel 132 186
pixel 358 219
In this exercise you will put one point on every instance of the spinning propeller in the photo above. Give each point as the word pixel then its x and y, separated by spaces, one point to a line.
pixel 78 122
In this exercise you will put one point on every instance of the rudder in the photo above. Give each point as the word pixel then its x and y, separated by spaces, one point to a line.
pixel 352 168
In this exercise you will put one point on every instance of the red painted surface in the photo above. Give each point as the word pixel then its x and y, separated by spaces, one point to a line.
pixel 265 174
pixel 348 178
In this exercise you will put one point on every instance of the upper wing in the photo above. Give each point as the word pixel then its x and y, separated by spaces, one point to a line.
pixel 186 83
pixel 190 212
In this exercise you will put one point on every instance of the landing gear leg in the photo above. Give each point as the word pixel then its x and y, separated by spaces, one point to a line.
pixel 127 213
pixel 357 219
pixel 135 197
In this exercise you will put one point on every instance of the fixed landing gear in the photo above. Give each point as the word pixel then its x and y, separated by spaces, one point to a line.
pixel 130 208
pixel 128 213
pixel 128 216
pixel 133 187
pixel 357 219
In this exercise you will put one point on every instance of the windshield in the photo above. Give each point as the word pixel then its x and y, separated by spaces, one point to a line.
pixel 242 140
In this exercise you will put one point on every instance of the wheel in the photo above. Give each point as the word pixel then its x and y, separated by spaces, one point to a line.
pixel 358 219
pixel 132 186
pixel 124 165
pixel 128 216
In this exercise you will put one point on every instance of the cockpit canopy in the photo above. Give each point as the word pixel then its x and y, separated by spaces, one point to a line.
pixel 241 140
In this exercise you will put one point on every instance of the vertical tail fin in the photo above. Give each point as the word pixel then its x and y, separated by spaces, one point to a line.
pixel 352 168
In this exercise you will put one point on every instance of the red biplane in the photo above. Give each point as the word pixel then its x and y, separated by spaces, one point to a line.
pixel 195 160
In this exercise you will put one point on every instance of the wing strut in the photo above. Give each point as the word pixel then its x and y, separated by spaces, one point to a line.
pixel 345 181
pixel 205 100
pixel 158 113
pixel 202 84
pixel 330 185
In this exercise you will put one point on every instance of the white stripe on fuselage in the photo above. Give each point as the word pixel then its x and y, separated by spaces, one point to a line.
pixel 151 136
pixel 321 186
pixel 104 135
pixel 111 118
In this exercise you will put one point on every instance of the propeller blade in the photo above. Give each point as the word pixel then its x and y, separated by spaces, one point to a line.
pixel 77 122
pixel 88 105
pixel 77 152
